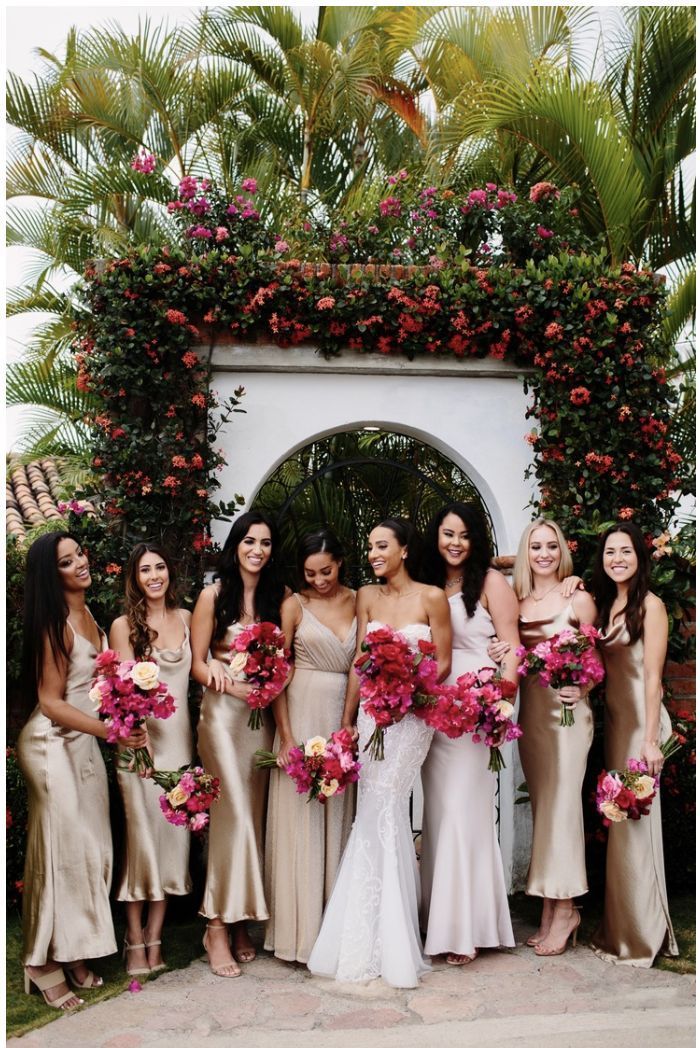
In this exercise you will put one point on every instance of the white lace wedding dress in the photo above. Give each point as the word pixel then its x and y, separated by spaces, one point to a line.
pixel 370 927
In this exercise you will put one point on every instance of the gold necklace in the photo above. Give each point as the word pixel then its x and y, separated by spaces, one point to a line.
pixel 537 600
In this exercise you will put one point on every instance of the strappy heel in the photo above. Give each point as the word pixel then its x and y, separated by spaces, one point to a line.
pixel 544 951
pixel 45 982
pixel 91 981
pixel 133 946
pixel 219 969
pixel 156 967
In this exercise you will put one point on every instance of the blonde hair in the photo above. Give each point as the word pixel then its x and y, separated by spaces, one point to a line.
pixel 522 572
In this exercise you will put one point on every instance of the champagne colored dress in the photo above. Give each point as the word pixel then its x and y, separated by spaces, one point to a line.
pixel 554 763
pixel 636 925
pixel 370 927
pixel 156 859
pixel 304 842
pixel 234 888
pixel 68 871
pixel 464 901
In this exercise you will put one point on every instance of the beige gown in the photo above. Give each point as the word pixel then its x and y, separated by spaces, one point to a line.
pixel 636 925
pixel 305 842
pixel 234 889
pixel 156 857
pixel 554 763
pixel 68 871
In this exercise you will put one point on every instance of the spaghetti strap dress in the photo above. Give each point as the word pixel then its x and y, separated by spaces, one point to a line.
pixel 636 924
pixel 156 853
pixel 554 762
pixel 68 871
pixel 304 842
pixel 234 889
pixel 464 901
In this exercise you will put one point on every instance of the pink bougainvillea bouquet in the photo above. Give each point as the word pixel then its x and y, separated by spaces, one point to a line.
pixel 568 658
pixel 259 657
pixel 623 795
pixel 487 711
pixel 320 767
pixel 126 693
pixel 188 795
pixel 395 679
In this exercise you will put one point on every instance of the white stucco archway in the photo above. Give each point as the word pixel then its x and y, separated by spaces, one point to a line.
pixel 471 411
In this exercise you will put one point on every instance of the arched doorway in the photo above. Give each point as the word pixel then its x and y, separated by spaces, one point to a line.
pixel 350 480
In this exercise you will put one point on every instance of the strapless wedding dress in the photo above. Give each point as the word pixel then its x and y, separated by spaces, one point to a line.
pixel 370 927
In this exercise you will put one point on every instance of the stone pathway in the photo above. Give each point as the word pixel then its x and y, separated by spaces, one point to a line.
pixel 507 998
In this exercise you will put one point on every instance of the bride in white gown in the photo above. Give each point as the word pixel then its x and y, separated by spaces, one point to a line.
pixel 370 927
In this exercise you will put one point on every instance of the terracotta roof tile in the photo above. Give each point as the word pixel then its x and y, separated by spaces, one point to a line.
pixel 32 495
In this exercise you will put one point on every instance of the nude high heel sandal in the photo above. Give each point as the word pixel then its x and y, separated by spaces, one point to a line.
pixel 47 982
pixel 135 946
pixel 219 969
pixel 156 967
pixel 549 951
pixel 91 982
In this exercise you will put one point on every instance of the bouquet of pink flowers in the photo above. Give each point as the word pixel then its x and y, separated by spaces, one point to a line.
pixel 259 656
pixel 189 794
pixel 488 712
pixel 322 768
pixel 395 679
pixel 126 693
pixel 622 795
pixel 566 659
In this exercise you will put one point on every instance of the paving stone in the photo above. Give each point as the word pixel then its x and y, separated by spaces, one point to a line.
pixel 366 1018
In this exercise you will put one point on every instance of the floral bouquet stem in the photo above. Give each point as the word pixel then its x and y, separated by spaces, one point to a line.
pixel 266 759
pixel 375 744
pixel 496 762
pixel 567 715
pixel 137 761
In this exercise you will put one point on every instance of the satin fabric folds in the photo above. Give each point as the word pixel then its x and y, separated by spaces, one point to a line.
pixel 65 906
pixel 156 859
pixel 234 888
pixel 636 924
pixel 304 842
pixel 464 901
pixel 554 763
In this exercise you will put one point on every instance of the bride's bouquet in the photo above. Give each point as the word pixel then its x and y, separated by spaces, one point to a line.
pixel 321 768
pixel 259 656
pixel 126 693
pixel 395 679
pixel 566 659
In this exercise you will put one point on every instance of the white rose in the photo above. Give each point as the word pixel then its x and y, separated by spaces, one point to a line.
pixel 644 786
pixel 611 811
pixel 505 708
pixel 315 747
pixel 177 796
pixel 329 788
pixel 95 695
pixel 238 662
pixel 145 675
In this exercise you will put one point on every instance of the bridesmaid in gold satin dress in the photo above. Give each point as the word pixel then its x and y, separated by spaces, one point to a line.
pixel 156 860
pixel 66 916
pixel 305 842
pixel 636 925
pixel 246 589
pixel 553 757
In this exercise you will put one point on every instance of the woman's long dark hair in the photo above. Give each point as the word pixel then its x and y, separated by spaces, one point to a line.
pixel 269 592
pixel 141 636
pixel 406 535
pixel 45 610
pixel 480 552
pixel 323 541
pixel 605 590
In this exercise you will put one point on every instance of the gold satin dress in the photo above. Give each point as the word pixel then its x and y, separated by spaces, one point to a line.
pixel 234 888
pixel 636 925
pixel 554 763
pixel 68 870
pixel 304 842
pixel 156 853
